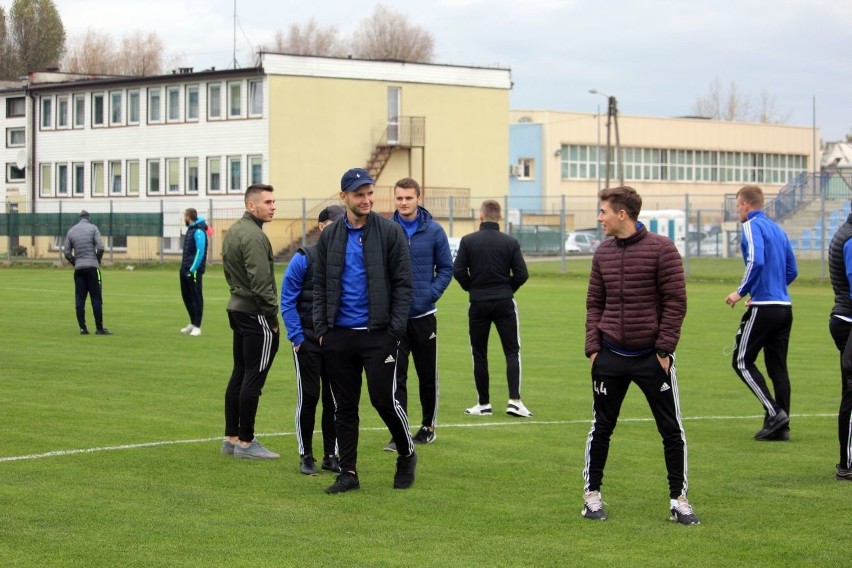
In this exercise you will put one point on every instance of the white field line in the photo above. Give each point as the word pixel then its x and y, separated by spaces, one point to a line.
pixel 60 453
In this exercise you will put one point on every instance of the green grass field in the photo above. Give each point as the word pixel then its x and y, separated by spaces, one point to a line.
pixel 111 446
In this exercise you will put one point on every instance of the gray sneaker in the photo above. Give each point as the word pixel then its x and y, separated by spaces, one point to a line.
pixel 227 448
pixel 593 506
pixel 255 451
pixel 682 512
pixel 390 447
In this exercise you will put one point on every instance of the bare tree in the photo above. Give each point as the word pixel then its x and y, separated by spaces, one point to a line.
pixel 139 54
pixel 5 56
pixel 733 105
pixel 36 37
pixel 307 39
pixel 92 52
pixel 387 35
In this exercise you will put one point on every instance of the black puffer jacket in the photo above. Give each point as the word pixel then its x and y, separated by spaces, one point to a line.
pixel 388 267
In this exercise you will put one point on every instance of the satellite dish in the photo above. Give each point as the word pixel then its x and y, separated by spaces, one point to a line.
pixel 21 160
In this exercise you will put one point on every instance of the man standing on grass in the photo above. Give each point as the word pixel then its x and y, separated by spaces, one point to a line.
pixel 840 325
pixel 634 311
pixel 490 267
pixel 431 273
pixel 192 269
pixel 253 315
pixel 770 267
pixel 362 294
pixel 84 249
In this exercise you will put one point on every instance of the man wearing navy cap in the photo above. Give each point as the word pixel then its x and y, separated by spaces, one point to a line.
pixel 362 295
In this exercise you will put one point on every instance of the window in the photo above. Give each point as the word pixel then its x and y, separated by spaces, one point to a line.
pixel 16 137
pixel 62 112
pixel 235 173
pixel 525 169
pixel 79 171
pixel 192 175
pixel 46 180
pixel 214 175
pixel 173 103
pixel 118 242
pixel 133 107
pixel 115 107
pixel 46 112
pixel 255 169
pixel 192 102
pixel 154 105
pixel 255 98
pixel 97 109
pixel 173 175
pixel 16 106
pixel 14 173
pixel 97 179
pixel 153 176
pixel 133 177
pixel 235 109
pixel 214 101
pixel 61 180
pixel 79 111
pixel 115 177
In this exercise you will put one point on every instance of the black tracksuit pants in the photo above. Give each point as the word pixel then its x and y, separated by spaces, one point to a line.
pixel 611 377
pixel 767 328
pixel 504 315
pixel 311 384
pixel 840 332
pixel 346 353
pixel 254 349
pixel 190 291
pixel 421 341
pixel 87 282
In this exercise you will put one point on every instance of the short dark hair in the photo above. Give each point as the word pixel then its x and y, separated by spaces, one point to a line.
pixel 191 213
pixel 254 189
pixel 752 195
pixel 490 209
pixel 622 197
pixel 408 183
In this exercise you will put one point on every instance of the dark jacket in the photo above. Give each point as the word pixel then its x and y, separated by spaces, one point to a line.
pixel 83 245
pixel 388 267
pixel 837 268
pixel 489 264
pixel 195 247
pixel 431 263
pixel 249 270
pixel 637 296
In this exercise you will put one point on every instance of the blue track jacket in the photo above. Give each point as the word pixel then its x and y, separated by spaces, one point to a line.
pixel 770 263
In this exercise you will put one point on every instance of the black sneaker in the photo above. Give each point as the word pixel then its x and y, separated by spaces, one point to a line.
pixel 782 435
pixel 404 477
pixel 424 436
pixel 683 513
pixel 593 507
pixel 772 425
pixel 346 481
pixel 331 463
pixel 103 331
pixel 308 465
pixel 390 446
pixel 84 331
pixel 843 474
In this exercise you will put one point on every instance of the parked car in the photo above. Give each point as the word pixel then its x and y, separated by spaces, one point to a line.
pixel 580 243
pixel 704 244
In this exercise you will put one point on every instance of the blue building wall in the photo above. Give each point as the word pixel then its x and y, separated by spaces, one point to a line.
pixel 525 142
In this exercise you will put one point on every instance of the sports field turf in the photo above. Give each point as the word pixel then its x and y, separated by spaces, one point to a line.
pixel 110 453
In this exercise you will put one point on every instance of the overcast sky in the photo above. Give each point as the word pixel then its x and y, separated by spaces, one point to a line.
pixel 657 56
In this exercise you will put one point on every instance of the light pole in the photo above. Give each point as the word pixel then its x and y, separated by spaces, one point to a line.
pixel 611 119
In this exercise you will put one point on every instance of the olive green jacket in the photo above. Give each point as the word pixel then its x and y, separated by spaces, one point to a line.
pixel 249 270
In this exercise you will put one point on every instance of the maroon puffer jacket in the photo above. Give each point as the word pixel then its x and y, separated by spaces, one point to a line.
pixel 637 296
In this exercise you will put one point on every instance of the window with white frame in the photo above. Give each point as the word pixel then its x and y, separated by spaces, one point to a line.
pixel 115 107
pixel 173 175
pixel 524 170
pixel 192 102
pixel 62 111
pixel 16 106
pixel 46 185
pixel 191 175
pixel 214 175
pixel 235 108
pixel 255 169
pixel 255 102
pixel 79 110
pixel 154 177
pixel 173 103
pixel 115 178
pixel 132 177
pixel 98 179
pixel 235 174
pixel 154 104
pixel 214 101
pixel 117 242
pixel 47 112
pixel 14 174
pixel 78 170
pixel 16 137
pixel 61 180
pixel 133 106
pixel 97 109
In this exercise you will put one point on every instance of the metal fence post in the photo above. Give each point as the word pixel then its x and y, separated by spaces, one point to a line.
pixel 304 222
pixel 686 236
pixel 562 234
pixel 162 229
pixel 210 236
pixel 111 234
pixel 450 212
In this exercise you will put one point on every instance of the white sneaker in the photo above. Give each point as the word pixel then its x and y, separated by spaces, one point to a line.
pixel 186 330
pixel 517 408
pixel 196 331
pixel 479 410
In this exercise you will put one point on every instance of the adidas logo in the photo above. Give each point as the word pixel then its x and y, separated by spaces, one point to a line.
pixel 433 336
pixel 390 359
pixel 665 387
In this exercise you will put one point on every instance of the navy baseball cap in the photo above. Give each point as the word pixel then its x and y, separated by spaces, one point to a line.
pixel 355 178
pixel 331 213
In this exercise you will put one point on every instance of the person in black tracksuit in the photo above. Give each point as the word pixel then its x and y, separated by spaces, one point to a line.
pixel 489 265
pixel 192 269
pixel 840 326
